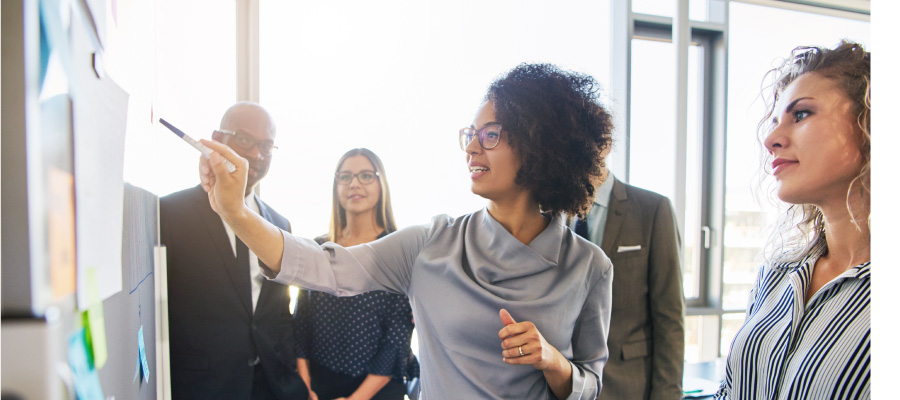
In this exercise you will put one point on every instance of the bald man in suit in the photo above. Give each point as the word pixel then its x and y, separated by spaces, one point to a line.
pixel 636 229
pixel 230 331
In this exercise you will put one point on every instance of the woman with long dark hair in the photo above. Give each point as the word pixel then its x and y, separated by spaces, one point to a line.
pixel 356 346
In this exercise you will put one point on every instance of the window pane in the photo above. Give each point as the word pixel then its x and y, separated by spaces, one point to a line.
pixel 401 78
pixel 652 155
pixel 730 325
pixel 691 236
pixel 699 331
pixel 652 141
pixel 697 9
pixel 752 52
pixel 692 343
pixel 665 8
pixel 176 60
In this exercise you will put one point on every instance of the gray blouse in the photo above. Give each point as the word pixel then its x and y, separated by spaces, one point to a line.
pixel 458 274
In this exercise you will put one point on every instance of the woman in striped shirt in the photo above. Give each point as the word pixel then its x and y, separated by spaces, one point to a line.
pixel 807 330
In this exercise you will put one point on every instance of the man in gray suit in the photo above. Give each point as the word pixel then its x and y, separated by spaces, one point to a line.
pixel 636 228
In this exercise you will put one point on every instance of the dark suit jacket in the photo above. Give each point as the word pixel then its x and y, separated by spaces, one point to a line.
pixel 646 329
pixel 214 335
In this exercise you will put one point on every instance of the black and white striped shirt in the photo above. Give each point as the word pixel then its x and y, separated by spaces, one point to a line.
pixel 789 349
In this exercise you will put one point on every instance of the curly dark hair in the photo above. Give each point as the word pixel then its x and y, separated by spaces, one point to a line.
pixel 559 129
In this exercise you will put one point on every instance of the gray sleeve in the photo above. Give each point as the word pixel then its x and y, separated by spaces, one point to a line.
pixel 385 264
pixel 590 352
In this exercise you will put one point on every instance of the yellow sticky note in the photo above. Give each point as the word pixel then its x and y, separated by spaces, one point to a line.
pixel 94 324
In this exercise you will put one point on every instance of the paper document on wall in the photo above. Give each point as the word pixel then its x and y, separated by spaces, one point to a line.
pixel 99 142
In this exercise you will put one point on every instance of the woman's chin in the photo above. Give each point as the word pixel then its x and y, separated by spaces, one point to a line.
pixel 478 191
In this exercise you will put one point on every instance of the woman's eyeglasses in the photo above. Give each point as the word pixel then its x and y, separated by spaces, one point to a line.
pixel 488 136
pixel 246 142
pixel 364 177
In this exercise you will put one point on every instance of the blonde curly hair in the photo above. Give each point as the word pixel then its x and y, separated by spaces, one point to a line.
pixel 801 228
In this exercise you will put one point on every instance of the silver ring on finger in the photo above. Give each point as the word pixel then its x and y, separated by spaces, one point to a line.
pixel 521 354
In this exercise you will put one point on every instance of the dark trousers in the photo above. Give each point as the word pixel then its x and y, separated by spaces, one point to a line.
pixel 261 390
pixel 330 385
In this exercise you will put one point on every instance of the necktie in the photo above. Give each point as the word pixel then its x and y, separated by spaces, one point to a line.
pixel 242 253
pixel 581 228
pixel 243 259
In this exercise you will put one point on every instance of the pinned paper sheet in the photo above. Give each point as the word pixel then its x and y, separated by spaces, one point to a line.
pixel 87 382
pixel 94 323
pixel 99 153
pixel 142 368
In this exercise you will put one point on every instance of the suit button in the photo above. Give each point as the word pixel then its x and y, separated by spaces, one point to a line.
pixel 253 326
pixel 253 362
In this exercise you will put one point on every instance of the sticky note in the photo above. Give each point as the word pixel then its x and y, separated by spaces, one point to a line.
pixel 137 367
pixel 61 235
pixel 143 354
pixel 94 323
pixel 87 382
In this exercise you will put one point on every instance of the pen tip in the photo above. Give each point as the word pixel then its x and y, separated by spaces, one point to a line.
pixel 175 130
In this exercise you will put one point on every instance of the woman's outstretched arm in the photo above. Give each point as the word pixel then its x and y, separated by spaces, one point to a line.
pixel 226 196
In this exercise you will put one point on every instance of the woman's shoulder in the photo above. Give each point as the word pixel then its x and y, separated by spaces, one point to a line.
pixel 449 220
pixel 444 222
pixel 591 255
pixel 321 238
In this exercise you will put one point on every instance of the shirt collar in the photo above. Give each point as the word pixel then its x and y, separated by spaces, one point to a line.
pixel 601 198
pixel 805 266
pixel 250 200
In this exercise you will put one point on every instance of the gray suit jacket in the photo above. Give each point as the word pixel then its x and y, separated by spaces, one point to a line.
pixel 646 330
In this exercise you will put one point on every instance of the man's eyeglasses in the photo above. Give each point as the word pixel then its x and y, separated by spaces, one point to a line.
pixel 365 177
pixel 488 136
pixel 246 142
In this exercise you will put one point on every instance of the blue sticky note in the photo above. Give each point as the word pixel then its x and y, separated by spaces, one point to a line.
pixel 137 367
pixel 143 353
pixel 87 382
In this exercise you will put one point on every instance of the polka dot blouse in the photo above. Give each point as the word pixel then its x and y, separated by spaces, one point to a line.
pixel 357 335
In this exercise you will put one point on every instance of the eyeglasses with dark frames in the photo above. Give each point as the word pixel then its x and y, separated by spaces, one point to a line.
pixel 488 136
pixel 364 177
pixel 246 142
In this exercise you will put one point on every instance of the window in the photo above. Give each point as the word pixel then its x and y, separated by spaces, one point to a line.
pixel 401 78
pixel 179 58
pixel 656 163
pixel 666 8
pixel 653 163
pixel 722 225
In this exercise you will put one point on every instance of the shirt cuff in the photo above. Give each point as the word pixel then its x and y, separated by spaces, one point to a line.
pixel 585 385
